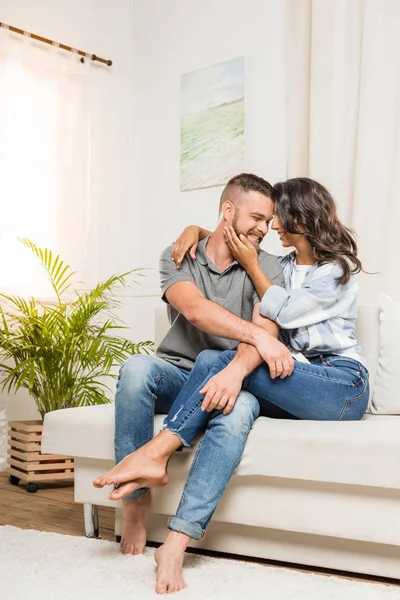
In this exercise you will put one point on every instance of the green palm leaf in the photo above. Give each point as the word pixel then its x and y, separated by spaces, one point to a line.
pixel 66 353
pixel 59 274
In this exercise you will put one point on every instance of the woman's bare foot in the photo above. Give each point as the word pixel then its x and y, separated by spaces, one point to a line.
pixel 169 558
pixel 133 539
pixel 138 465
pixel 147 465
pixel 124 489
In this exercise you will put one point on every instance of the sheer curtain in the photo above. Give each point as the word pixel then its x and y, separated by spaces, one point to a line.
pixel 44 159
pixel 343 120
pixel 44 166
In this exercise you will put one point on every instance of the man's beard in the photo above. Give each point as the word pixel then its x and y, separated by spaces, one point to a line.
pixel 255 243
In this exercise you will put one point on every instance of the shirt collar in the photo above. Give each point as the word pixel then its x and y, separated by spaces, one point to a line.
pixel 203 257
pixel 201 251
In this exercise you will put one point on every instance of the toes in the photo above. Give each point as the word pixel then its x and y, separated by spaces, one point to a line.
pixel 161 588
pixel 135 550
pixel 117 494
pixel 117 478
pixel 124 490
pixel 164 587
pixel 98 482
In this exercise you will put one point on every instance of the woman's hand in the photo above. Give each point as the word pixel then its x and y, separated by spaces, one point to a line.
pixel 221 391
pixel 188 239
pixel 243 250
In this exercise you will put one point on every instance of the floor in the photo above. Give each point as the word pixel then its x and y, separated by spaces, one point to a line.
pixel 52 508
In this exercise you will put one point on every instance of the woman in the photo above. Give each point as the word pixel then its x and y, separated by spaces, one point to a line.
pixel 316 314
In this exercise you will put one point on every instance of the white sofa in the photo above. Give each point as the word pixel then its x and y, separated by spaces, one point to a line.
pixel 325 494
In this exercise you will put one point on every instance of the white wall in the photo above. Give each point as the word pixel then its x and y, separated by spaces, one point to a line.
pixel 172 38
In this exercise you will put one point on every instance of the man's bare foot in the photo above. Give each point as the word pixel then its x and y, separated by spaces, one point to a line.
pixel 148 464
pixel 133 539
pixel 169 558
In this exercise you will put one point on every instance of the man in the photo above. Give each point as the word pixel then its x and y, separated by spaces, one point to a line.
pixel 211 303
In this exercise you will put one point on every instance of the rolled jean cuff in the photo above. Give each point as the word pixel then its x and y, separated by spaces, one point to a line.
pixel 134 495
pixel 184 442
pixel 193 531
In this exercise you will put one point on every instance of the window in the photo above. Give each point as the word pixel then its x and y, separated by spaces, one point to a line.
pixel 44 162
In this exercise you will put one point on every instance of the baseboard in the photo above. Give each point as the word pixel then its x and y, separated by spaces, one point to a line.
pixel 381 560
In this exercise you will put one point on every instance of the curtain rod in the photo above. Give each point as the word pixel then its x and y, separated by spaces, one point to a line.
pixel 63 46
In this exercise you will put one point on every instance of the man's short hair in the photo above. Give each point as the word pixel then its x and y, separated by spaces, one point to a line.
pixel 246 182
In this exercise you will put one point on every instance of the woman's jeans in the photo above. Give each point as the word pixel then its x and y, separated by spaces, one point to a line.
pixel 330 388
pixel 146 385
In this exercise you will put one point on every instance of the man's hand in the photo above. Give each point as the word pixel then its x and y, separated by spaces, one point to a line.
pixel 221 391
pixel 275 354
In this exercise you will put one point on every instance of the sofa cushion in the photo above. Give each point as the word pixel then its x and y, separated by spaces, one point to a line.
pixel 386 397
pixel 363 452
pixel 367 332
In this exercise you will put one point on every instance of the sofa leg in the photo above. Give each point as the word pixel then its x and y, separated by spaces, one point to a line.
pixel 91 517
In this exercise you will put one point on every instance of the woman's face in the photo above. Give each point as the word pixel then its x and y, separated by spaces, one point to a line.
pixel 287 239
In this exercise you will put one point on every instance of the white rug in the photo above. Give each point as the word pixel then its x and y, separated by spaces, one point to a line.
pixel 47 566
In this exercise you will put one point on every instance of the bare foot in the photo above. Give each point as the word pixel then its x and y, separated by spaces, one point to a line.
pixel 133 539
pixel 147 465
pixel 169 558
pixel 124 489
pixel 139 465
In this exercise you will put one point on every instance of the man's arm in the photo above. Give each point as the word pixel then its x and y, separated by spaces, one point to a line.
pixel 212 318
pixel 221 391
pixel 247 357
pixel 180 291
pixel 209 316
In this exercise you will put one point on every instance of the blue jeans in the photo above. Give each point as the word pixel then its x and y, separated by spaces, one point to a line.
pixel 146 385
pixel 328 389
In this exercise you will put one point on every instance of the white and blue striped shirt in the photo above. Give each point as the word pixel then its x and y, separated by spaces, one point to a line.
pixel 320 316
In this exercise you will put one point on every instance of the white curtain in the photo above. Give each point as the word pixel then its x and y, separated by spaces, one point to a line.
pixel 44 160
pixel 343 120
pixel 44 167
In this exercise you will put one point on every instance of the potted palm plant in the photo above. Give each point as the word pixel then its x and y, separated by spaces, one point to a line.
pixel 64 353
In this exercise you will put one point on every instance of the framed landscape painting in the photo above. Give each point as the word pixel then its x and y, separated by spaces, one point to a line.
pixel 213 125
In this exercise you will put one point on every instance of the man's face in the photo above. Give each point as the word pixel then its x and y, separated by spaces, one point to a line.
pixel 253 216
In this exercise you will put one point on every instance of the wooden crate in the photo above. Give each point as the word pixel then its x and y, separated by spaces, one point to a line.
pixel 26 460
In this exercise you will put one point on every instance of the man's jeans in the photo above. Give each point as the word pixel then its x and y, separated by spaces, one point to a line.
pixel 147 385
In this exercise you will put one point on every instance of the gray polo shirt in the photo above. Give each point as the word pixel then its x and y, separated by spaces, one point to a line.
pixel 231 289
